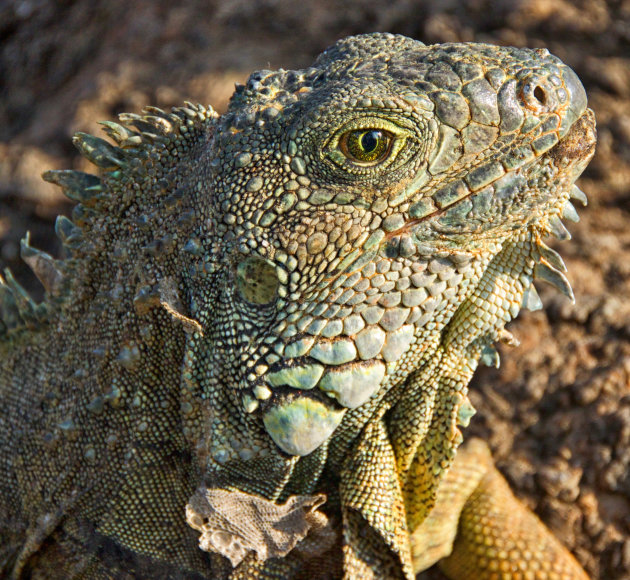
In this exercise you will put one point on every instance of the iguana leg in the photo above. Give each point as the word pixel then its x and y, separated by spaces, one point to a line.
pixel 489 534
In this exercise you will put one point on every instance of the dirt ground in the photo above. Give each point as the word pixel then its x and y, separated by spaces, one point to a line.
pixel 557 412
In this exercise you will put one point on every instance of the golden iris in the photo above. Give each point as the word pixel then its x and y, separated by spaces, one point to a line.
pixel 366 145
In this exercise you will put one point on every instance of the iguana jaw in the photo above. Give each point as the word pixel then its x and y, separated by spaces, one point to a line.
pixel 578 145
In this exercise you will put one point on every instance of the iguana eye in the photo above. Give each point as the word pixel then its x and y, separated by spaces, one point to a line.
pixel 366 145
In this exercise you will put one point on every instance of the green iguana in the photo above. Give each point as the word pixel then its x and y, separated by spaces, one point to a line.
pixel 254 358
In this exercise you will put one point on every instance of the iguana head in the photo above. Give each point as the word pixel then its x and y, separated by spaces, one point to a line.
pixel 349 214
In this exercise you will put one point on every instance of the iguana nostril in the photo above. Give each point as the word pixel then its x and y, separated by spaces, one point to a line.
pixel 540 95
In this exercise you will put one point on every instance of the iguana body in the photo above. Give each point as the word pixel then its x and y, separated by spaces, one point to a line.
pixel 267 321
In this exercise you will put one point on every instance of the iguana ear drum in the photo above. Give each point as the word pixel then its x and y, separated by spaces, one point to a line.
pixel 256 280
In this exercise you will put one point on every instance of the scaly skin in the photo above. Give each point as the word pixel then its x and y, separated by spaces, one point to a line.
pixel 496 535
pixel 254 359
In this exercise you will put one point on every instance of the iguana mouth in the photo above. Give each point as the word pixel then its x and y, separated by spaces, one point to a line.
pixel 579 142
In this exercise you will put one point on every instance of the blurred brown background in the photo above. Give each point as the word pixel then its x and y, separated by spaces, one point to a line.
pixel 557 413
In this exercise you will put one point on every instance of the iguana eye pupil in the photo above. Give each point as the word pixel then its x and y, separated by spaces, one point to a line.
pixel 370 141
pixel 366 145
